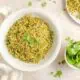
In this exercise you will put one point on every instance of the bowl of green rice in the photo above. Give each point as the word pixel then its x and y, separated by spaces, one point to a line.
pixel 73 9
pixel 30 39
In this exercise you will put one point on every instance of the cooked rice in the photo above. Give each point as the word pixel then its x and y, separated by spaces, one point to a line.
pixel 29 39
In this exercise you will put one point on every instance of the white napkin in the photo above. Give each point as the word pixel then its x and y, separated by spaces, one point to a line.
pixel 7 73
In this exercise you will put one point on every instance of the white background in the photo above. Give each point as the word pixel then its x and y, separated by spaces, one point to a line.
pixel 68 27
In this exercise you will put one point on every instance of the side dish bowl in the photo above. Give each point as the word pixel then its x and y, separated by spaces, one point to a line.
pixel 72 53
pixel 53 52
pixel 70 65
pixel 73 17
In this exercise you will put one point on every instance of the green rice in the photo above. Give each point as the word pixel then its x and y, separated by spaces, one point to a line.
pixel 29 39
pixel 73 6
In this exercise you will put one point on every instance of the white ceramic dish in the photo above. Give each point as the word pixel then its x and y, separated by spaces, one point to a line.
pixel 72 16
pixel 54 51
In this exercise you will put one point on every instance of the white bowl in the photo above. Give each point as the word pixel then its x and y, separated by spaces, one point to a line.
pixel 54 51
pixel 72 16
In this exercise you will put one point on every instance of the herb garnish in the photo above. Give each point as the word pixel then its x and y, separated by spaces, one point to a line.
pixel 31 41
pixel 56 74
pixel 54 2
pixel 29 3
pixel 43 4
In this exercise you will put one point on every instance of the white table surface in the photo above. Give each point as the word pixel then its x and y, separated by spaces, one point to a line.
pixel 68 27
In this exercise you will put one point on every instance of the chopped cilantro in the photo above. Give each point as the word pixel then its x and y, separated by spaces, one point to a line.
pixel 29 3
pixel 56 74
pixel 73 52
pixel 43 4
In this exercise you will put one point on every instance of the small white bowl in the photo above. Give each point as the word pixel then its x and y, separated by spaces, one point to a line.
pixel 52 54
pixel 70 65
pixel 72 16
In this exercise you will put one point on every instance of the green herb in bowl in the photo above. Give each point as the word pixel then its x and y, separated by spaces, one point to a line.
pixel 73 53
